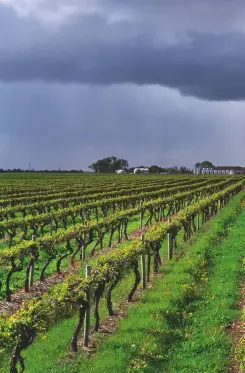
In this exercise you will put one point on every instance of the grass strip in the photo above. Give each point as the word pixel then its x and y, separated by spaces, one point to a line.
pixel 204 346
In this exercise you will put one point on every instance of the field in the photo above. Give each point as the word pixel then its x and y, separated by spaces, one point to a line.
pixel 121 273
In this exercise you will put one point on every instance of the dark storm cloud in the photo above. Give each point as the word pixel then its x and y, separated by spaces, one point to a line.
pixel 90 50
pixel 86 79
pixel 202 68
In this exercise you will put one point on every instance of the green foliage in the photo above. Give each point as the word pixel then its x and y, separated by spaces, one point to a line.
pixel 109 164
pixel 155 330
pixel 204 164
pixel 192 197
pixel 43 312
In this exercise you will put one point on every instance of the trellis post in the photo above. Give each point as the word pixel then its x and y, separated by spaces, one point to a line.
pixel 170 244
pixel 87 316
pixel 141 216
pixel 34 237
pixel 143 271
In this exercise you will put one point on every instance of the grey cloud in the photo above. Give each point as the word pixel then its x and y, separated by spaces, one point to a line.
pixel 210 66
pixel 18 33
pixel 205 14
pixel 91 50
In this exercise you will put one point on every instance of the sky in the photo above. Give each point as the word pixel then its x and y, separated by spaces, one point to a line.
pixel 151 81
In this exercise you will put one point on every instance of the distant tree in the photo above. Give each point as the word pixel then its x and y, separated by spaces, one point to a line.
pixel 185 170
pixel 156 169
pixel 130 170
pixel 205 164
pixel 109 164
pixel 171 170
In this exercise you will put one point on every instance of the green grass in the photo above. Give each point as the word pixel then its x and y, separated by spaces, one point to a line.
pixel 156 330
pixel 204 345
pixel 240 347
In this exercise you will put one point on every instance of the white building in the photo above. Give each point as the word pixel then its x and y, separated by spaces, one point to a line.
pixel 121 172
pixel 141 170
pixel 220 170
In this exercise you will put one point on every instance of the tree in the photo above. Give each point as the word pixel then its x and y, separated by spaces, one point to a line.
pixel 156 169
pixel 184 170
pixel 109 164
pixel 204 164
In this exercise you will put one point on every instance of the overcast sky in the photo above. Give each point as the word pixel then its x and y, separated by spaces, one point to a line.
pixel 152 81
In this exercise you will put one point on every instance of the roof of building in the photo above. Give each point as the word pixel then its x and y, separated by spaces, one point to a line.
pixel 229 168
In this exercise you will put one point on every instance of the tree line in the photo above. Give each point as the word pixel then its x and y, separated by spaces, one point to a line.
pixel 112 164
pixel 19 170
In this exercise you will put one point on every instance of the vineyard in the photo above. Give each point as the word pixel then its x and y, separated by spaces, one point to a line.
pixel 78 253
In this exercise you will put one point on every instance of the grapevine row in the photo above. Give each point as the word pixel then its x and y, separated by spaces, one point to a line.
pixel 36 316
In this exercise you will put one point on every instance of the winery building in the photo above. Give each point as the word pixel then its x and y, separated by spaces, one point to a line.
pixel 221 170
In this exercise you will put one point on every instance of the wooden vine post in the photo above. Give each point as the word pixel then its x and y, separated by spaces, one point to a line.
pixel 141 216
pixel 143 271
pixel 170 244
pixel 203 217
pixel 84 243
pixel 87 316
pixel 34 237
pixel 198 221
pixel 83 247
